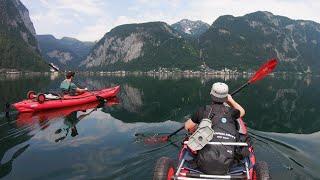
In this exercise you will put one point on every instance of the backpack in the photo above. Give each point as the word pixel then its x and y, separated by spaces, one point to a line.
pixel 216 159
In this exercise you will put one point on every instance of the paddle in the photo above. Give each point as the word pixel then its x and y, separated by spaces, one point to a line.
pixel 174 133
pixel 99 98
pixel 263 71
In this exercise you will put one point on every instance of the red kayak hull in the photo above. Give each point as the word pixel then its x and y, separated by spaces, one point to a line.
pixel 66 101
pixel 30 118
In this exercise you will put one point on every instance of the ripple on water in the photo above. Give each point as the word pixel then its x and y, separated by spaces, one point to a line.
pixel 289 155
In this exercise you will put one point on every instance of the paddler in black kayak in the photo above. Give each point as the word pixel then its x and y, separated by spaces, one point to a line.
pixel 68 87
pixel 217 159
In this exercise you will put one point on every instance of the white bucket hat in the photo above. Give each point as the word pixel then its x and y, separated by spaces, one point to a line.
pixel 219 92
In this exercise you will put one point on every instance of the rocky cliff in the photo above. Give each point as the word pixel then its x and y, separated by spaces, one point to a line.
pixel 24 14
pixel 66 53
pixel 18 45
pixel 143 46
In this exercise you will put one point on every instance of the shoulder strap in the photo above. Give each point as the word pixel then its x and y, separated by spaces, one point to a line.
pixel 69 86
pixel 212 111
pixel 209 115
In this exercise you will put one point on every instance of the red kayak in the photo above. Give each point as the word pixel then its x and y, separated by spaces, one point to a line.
pixel 32 105
pixel 27 119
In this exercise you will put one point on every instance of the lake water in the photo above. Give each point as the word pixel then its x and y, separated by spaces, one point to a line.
pixel 281 112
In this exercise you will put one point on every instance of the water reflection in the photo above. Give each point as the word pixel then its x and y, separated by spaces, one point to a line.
pixel 291 154
pixel 131 98
pixel 21 128
pixel 277 104
pixel 6 167
pixel 274 104
pixel 13 144
pixel 15 89
pixel 100 143
pixel 70 122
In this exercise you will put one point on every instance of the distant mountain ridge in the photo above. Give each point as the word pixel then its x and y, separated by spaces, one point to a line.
pixel 239 43
pixel 18 45
pixel 190 28
pixel 142 47
pixel 66 53
pixel 247 40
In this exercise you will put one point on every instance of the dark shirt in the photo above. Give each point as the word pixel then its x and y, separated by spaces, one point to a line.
pixel 202 112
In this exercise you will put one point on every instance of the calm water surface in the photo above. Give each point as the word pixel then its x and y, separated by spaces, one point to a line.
pixel 100 142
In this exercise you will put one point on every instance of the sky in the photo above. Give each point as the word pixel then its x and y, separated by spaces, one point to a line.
pixel 89 20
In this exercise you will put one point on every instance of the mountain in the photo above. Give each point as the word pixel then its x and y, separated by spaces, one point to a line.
pixel 143 46
pixel 66 52
pixel 24 14
pixel 243 42
pixel 82 48
pixel 240 43
pixel 18 45
pixel 188 28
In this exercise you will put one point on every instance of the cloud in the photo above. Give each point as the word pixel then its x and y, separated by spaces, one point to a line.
pixel 83 19
pixel 94 32
pixel 209 10
pixel 91 8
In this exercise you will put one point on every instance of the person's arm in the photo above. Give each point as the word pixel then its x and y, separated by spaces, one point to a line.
pixel 235 105
pixel 79 90
pixel 190 126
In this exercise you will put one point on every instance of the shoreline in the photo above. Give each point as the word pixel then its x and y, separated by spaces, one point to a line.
pixel 161 75
pixel 186 72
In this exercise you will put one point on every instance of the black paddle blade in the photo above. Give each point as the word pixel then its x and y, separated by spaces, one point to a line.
pixel 60 139
pixel 7 110
pixel 101 103
pixel 101 99
pixel 58 131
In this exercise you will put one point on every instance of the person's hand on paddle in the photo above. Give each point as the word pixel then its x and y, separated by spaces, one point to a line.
pixel 235 105
pixel 229 98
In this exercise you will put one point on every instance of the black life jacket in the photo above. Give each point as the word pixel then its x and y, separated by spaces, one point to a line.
pixel 216 159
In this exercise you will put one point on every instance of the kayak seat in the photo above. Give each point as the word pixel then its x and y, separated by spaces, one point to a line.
pixel 52 96
pixel 55 93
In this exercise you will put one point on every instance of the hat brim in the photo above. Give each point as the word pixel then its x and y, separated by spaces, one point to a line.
pixel 216 99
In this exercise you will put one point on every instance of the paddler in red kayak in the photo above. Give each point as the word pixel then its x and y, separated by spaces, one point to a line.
pixel 217 159
pixel 68 87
